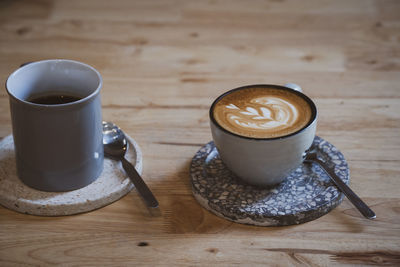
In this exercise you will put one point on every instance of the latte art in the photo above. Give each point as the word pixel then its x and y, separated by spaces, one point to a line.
pixel 266 113
pixel 262 112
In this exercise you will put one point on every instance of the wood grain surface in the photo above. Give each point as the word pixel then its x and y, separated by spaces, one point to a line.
pixel 163 63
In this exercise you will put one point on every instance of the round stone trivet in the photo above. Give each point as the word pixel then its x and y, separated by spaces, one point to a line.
pixel 305 195
pixel 109 187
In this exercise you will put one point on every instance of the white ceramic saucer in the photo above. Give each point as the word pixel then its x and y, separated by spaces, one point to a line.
pixel 109 187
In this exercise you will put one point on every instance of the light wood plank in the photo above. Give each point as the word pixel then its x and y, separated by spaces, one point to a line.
pixel 163 63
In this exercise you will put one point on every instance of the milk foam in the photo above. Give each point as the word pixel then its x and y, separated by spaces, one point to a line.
pixel 269 113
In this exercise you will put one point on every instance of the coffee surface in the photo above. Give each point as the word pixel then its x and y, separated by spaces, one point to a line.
pixel 260 112
pixel 54 99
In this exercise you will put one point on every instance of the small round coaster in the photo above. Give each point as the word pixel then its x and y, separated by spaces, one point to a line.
pixel 109 187
pixel 305 195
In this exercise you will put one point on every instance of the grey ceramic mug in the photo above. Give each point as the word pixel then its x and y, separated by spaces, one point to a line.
pixel 264 161
pixel 57 147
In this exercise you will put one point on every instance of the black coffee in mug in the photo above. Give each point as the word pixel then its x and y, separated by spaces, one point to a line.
pixel 53 99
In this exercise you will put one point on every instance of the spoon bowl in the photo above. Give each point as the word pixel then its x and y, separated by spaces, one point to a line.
pixel 114 141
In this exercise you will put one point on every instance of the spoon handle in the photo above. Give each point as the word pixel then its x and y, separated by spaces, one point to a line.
pixel 357 202
pixel 140 185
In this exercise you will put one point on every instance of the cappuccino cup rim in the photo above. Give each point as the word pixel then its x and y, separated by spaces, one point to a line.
pixel 314 113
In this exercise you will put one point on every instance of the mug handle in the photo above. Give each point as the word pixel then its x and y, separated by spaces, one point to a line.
pixel 294 87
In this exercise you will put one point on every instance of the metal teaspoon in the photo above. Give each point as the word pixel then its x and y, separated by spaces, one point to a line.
pixel 310 157
pixel 115 147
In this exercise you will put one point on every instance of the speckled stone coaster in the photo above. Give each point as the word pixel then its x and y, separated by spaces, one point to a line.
pixel 109 187
pixel 305 195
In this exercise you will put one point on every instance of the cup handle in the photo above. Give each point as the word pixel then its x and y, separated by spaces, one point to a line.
pixel 26 63
pixel 294 87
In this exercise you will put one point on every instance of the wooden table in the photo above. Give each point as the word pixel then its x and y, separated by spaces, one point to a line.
pixel 163 63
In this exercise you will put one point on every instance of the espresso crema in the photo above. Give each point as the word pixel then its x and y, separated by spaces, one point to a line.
pixel 259 112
